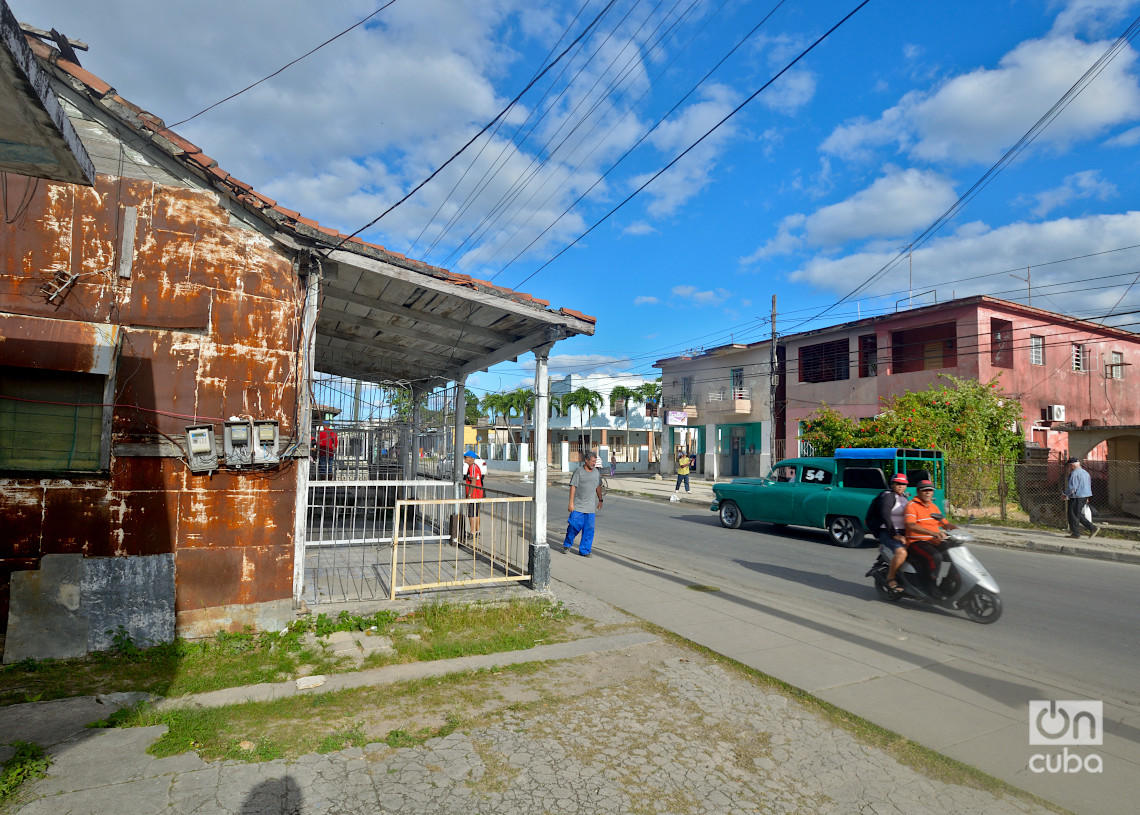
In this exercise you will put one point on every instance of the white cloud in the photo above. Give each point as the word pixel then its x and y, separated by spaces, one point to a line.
pixel 975 250
pixel 893 206
pixel 1078 186
pixel 791 92
pixel 638 228
pixel 1094 16
pixel 785 242
pixel 692 173
pixel 701 298
pixel 584 364
pixel 645 300
pixel 977 116
pixel 1129 138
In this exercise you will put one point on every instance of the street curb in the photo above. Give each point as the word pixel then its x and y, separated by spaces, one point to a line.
pixel 390 674
pixel 1115 555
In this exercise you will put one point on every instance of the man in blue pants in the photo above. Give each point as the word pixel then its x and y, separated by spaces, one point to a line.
pixel 585 486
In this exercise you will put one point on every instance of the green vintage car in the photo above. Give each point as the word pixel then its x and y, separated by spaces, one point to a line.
pixel 825 493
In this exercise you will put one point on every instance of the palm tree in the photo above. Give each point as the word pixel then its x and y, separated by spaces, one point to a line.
pixel 650 394
pixel 587 401
pixel 521 401
pixel 623 394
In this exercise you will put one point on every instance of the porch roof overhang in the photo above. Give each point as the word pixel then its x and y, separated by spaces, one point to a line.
pixel 36 137
pixel 382 321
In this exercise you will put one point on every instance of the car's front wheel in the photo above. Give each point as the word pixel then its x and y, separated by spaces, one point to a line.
pixel 730 517
pixel 845 531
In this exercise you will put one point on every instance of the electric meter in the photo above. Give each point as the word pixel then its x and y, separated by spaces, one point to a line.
pixel 238 438
pixel 201 453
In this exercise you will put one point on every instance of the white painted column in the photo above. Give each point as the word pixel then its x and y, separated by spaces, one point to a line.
pixel 303 431
pixel 540 551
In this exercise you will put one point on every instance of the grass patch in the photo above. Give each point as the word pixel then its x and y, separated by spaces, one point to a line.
pixel 699 587
pixel 440 631
pixel 427 708
pixel 29 763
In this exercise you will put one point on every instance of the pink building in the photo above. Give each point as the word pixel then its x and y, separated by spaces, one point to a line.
pixel 1065 371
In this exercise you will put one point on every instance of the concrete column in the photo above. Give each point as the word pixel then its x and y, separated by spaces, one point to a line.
pixel 539 550
pixel 303 431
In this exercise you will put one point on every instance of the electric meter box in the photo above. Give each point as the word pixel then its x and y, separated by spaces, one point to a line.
pixel 265 441
pixel 201 449
pixel 239 442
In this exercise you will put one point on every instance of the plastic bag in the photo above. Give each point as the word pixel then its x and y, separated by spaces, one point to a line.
pixel 1086 512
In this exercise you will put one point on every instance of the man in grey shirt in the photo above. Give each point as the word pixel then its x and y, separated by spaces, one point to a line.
pixel 585 487
pixel 1079 490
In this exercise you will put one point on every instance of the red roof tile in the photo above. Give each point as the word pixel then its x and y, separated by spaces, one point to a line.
pixel 245 193
pixel 572 313
pixel 86 77
pixel 178 141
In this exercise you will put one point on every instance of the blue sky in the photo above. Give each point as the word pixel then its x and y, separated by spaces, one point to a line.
pixel 806 193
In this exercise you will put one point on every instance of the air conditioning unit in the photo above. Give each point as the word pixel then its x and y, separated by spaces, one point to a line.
pixel 1055 413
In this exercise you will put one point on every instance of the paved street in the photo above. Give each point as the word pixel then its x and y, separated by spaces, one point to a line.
pixel 646 727
pixel 799 609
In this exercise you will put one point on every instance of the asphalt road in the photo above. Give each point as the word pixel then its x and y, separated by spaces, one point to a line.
pixel 1067 620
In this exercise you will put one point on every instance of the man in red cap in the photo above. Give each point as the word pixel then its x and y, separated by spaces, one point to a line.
pixel 888 522
pixel 926 526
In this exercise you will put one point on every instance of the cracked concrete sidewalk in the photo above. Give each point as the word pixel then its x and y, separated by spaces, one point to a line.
pixel 618 723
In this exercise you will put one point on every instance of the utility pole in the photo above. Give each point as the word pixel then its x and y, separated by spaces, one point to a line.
pixel 1028 281
pixel 772 389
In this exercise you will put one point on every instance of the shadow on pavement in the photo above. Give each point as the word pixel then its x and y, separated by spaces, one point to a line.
pixel 277 796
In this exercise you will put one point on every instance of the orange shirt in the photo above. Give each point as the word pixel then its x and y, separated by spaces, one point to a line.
pixel 918 513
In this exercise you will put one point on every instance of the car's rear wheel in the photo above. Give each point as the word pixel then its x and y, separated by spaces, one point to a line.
pixel 730 517
pixel 845 531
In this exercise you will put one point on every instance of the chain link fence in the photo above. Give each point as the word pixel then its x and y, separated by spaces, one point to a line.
pixel 1029 490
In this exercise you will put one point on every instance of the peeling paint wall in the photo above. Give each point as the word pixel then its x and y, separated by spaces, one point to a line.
pixel 208 313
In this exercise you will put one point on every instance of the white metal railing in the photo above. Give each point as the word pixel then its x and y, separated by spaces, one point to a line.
pixel 729 394
pixel 348 535
pixel 447 543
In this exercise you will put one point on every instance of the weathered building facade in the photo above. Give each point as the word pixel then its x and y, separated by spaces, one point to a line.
pixel 169 296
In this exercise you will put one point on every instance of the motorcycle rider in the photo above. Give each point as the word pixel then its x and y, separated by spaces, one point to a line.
pixel 926 527
pixel 889 523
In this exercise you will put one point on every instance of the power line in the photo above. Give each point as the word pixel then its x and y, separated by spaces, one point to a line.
pixel 482 130
pixel 661 120
pixel 284 67
pixel 1019 146
pixel 693 146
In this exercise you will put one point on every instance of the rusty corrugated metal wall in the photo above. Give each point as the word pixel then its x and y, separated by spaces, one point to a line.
pixel 209 317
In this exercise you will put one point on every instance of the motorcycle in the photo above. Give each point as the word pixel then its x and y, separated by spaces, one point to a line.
pixel 962 582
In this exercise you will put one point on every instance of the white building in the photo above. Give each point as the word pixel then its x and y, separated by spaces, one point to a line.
pixel 629 441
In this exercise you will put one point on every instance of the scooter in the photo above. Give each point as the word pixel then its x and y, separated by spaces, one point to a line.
pixel 962 582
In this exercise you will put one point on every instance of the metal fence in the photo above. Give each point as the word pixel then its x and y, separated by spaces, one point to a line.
pixel 446 543
pixel 1029 491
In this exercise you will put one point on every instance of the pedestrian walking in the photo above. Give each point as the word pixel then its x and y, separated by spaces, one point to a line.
pixel 473 478
pixel 585 488
pixel 326 451
pixel 1078 492
pixel 684 463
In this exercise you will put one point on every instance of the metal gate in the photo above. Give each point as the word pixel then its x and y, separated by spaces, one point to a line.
pixel 446 543
pixel 349 532
pixel 374 444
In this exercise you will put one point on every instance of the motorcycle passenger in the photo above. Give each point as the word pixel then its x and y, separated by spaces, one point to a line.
pixel 926 528
pixel 888 516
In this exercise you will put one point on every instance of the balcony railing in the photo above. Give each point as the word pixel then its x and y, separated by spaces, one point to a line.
pixel 729 394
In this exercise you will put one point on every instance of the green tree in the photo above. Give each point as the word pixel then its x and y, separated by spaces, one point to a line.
pixel 588 402
pixel 650 392
pixel 974 424
pixel 623 395
pixel 472 413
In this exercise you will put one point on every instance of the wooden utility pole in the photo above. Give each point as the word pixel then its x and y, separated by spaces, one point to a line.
pixel 772 389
